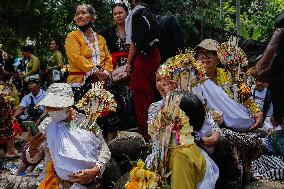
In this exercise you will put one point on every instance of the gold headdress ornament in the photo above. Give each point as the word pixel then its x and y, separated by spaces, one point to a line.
pixel 230 54
pixel 97 102
pixel 183 70
pixel 170 129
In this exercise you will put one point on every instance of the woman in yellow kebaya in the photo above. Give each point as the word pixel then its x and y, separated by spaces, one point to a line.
pixel 88 57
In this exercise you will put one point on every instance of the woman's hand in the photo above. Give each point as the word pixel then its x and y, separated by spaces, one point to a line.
pixel 101 75
pixel 85 176
pixel 211 140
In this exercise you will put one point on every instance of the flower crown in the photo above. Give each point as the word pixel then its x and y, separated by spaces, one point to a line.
pixel 183 70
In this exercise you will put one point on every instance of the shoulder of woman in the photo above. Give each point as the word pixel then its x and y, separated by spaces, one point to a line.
pixel 58 53
pixel 35 58
pixel 101 39
pixel 74 34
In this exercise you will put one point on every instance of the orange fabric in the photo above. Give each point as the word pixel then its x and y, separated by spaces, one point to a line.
pixel 50 181
pixel 79 56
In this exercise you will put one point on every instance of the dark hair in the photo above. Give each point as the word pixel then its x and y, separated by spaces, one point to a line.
pixel 34 80
pixel 149 2
pixel 279 22
pixel 91 10
pixel 28 48
pixel 194 110
pixel 56 41
pixel 119 5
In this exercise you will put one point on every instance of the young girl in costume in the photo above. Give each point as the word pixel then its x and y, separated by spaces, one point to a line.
pixel 173 122
pixel 177 153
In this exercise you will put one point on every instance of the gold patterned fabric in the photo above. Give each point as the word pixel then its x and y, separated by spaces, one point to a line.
pixel 79 56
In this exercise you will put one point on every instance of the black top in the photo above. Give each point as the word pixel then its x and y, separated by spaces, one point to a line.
pixel 113 41
pixel 170 37
pixel 276 83
pixel 145 30
pixel 1 61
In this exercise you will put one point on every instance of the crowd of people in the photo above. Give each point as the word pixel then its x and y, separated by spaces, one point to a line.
pixel 209 120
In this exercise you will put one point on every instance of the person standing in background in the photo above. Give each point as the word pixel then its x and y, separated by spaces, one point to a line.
pixel 87 53
pixel 33 66
pixel 54 62
pixel 143 60
pixel 171 40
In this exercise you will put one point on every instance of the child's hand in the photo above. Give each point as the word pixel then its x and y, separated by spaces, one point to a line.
pixel 35 141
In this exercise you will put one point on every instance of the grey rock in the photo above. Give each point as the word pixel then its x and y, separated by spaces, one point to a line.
pixel 111 174
pixel 122 181
pixel 265 184
pixel 127 145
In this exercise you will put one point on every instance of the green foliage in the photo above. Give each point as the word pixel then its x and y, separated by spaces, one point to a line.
pixel 196 17
pixel 257 17
pixel 41 20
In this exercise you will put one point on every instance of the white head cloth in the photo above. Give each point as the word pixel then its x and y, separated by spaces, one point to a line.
pixel 128 23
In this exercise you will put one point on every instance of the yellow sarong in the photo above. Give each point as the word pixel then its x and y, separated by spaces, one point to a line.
pixel 50 181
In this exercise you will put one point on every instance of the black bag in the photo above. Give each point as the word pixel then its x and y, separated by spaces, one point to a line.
pixel 124 118
pixel 34 114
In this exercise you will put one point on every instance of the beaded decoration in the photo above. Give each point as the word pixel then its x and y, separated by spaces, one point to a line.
pixel 97 102
pixel 232 57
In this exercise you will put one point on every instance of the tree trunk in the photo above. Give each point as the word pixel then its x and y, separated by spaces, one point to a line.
pixel 263 4
pixel 238 13
pixel 221 10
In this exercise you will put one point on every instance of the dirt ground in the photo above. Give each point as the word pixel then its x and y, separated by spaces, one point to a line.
pixel 261 184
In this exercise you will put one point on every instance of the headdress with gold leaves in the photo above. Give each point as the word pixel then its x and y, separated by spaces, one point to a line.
pixel 183 70
pixel 233 57
pixel 170 129
pixel 97 102
pixel 230 54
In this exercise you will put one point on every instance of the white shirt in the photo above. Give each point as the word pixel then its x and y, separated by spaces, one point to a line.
pixel 26 101
pixel 259 98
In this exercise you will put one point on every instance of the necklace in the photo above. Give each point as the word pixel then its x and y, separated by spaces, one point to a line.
pixel 96 59
pixel 120 41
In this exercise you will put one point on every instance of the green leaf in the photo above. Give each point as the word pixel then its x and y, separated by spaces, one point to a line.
pixel 244 32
